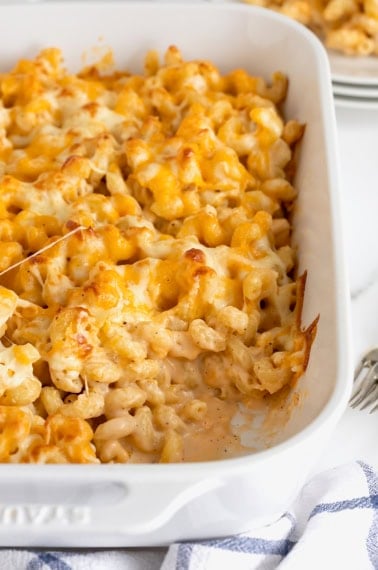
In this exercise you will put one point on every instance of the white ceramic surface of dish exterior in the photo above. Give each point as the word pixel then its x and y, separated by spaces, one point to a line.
pixel 135 505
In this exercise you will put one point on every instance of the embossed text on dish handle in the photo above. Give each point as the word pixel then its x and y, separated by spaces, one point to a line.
pixel 44 514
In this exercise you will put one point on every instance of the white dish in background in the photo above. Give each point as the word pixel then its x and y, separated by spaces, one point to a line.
pixel 363 92
pixel 355 102
pixel 137 505
pixel 353 70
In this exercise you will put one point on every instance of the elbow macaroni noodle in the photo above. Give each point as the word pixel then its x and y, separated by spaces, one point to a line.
pixel 347 26
pixel 171 298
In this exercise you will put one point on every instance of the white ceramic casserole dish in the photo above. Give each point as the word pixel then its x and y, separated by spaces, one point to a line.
pixel 135 505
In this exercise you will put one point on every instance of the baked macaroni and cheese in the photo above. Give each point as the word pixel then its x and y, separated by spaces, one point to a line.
pixel 146 267
pixel 348 26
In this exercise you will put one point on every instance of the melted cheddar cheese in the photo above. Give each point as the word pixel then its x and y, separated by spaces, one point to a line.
pixel 171 298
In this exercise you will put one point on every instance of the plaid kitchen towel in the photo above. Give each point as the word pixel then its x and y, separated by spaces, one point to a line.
pixel 333 525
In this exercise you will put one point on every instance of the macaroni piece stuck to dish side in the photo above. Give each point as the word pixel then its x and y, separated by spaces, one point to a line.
pixel 146 268
pixel 348 26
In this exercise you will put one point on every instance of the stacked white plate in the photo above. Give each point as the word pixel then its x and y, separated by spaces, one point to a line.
pixel 355 81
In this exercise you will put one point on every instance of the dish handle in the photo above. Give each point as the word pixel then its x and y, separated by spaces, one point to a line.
pixel 107 506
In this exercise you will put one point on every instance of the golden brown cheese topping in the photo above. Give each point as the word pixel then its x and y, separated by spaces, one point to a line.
pixel 146 267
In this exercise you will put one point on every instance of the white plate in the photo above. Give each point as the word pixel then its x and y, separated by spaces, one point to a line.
pixel 356 102
pixel 354 70
pixel 344 89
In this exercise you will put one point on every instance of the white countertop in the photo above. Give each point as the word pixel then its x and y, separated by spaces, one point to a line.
pixel 356 436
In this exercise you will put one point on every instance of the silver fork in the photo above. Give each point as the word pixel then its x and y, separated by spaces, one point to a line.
pixel 365 391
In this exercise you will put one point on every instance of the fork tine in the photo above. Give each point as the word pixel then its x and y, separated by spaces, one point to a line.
pixel 362 397
pixel 368 392
pixel 372 397
pixel 359 382
pixel 363 385
pixel 363 364
pixel 367 361
pixel 365 388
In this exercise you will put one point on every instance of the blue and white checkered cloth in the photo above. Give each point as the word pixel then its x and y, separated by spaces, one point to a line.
pixel 333 524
